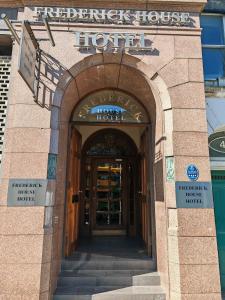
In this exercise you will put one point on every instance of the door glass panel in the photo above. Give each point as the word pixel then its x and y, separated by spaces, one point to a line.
pixel 109 194
pixel 87 193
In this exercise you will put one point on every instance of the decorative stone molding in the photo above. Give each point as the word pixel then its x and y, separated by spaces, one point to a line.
pixel 195 5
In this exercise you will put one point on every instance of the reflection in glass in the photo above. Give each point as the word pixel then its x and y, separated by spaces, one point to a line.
pixel 102 219
pixel 212 33
pixel 115 219
pixel 214 63
pixel 109 189
pixel 87 195
pixel 102 206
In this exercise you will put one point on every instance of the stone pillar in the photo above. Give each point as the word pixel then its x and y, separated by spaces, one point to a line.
pixel 192 247
pixel 25 243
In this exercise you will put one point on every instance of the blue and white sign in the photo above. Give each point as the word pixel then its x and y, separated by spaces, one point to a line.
pixel 192 172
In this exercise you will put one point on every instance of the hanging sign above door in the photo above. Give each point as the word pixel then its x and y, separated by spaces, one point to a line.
pixel 217 144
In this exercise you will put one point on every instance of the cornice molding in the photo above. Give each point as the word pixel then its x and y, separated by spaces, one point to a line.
pixel 194 5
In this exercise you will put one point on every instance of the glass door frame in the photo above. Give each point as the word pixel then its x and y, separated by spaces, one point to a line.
pixel 124 194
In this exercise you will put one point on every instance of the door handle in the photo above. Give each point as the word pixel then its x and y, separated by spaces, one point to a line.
pixel 75 198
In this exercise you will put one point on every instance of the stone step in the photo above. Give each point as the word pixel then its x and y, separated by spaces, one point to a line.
pixel 95 281
pixel 85 290
pixel 108 264
pixel 97 273
pixel 129 293
pixel 149 279
pixel 106 256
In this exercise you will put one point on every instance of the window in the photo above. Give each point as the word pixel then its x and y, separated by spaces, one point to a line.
pixel 213 46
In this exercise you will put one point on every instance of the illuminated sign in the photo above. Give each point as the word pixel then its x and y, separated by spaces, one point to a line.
pixel 110 106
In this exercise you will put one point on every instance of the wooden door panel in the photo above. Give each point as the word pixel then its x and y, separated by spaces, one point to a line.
pixel 73 186
pixel 144 196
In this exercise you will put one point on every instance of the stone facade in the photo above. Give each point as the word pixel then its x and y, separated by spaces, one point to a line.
pixel 169 83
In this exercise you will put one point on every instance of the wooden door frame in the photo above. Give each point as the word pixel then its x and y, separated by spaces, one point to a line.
pixel 72 187
pixel 150 179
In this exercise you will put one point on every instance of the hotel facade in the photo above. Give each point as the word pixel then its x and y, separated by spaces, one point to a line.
pixel 105 171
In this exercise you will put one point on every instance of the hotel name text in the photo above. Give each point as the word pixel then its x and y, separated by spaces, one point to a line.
pixel 113 16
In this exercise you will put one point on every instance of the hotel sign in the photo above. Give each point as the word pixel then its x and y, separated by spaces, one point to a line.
pixel 194 194
pixel 110 106
pixel 103 40
pixel 217 144
pixel 27 192
pixel 27 57
pixel 114 16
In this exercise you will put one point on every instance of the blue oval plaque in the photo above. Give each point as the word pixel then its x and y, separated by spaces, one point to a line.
pixel 192 172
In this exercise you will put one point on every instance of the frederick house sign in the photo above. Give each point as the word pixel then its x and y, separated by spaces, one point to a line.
pixel 113 16
pixel 113 40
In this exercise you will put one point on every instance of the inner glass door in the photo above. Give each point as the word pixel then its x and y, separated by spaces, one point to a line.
pixel 109 198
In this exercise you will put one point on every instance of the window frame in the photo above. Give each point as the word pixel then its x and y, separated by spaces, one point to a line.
pixel 214 46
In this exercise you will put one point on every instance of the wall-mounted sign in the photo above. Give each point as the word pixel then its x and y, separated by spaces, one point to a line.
pixel 217 144
pixel 194 195
pixel 104 40
pixel 110 106
pixel 170 169
pixel 192 172
pixel 28 56
pixel 27 192
pixel 114 16
pixel 52 161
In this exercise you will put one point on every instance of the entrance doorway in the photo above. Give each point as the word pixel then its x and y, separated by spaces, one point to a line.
pixel 108 199
pixel 109 166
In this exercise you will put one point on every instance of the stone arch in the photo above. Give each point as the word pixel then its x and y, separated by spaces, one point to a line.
pixel 104 71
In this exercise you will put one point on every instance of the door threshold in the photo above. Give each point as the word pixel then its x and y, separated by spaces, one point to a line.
pixel 109 232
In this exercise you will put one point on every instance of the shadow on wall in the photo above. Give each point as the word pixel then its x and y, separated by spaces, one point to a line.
pixel 159 185
pixel 50 72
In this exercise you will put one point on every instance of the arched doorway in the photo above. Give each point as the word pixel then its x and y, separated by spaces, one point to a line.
pixel 109 166
pixel 108 185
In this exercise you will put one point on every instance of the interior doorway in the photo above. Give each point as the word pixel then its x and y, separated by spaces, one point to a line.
pixel 108 201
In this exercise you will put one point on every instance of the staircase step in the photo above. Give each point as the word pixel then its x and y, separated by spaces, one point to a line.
pixel 85 290
pixel 133 293
pixel 97 273
pixel 95 281
pixel 109 269
pixel 129 293
pixel 108 264
pixel 109 255
pixel 148 279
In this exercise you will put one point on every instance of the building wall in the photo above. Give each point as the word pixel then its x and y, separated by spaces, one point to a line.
pixel 170 84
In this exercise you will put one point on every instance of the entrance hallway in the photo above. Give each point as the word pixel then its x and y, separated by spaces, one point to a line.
pixel 111 268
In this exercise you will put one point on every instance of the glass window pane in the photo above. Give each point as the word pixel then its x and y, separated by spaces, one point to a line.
pixel 213 60
pixel 212 30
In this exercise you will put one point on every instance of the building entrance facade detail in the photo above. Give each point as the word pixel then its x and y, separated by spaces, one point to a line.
pixel 159 92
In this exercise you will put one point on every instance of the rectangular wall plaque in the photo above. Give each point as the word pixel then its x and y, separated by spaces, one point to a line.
pixel 52 162
pixel 194 194
pixel 27 192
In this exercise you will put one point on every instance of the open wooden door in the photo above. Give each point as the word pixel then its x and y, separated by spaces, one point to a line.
pixel 144 194
pixel 73 187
